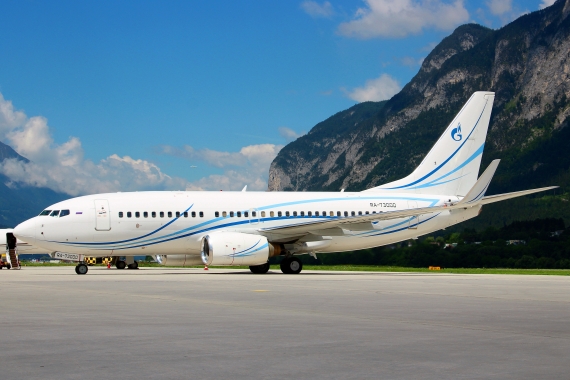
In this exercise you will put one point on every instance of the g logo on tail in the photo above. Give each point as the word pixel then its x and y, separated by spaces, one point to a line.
pixel 456 133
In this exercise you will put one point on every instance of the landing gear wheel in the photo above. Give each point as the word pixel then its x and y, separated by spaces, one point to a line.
pixel 81 269
pixel 134 265
pixel 291 265
pixel 259 269
pixel 8 266
pixel 120 264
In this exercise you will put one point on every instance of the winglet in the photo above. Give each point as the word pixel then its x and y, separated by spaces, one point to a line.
pixel 244 188
pixel 478 190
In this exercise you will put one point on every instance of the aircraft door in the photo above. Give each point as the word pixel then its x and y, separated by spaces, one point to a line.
pixel 414 221
pixel 102 215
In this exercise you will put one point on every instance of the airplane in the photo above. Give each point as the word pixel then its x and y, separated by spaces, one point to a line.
pixel 187 228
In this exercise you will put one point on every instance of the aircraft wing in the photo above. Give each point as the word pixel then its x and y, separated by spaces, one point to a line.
pixel 474 198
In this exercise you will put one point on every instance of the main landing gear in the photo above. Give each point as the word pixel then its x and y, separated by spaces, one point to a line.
pixel 120 264
pixel 81 268
pixel 291 265
pixel 259 269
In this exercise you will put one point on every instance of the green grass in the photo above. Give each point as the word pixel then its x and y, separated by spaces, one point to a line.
pixel 364 268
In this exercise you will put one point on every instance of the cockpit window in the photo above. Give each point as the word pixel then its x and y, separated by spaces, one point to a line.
pixel 63 213
pixel 54 213
pixel 45 212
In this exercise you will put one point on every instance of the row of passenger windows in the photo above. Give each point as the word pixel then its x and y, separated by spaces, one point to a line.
pixel 161 214
pixel 272 214
pixel 55 213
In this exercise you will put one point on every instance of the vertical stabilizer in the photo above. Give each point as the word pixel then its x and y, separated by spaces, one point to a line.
pixel 451 167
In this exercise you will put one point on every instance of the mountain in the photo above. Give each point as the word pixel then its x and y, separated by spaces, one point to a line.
pixel 19 202
pixel 526 63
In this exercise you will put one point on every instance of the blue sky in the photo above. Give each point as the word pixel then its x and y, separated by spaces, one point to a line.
pixel 117 96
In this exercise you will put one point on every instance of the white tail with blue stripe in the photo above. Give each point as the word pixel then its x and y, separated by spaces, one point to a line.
pixel 451 167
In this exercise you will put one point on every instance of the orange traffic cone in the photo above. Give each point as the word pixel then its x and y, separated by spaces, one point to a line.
pixel 205 267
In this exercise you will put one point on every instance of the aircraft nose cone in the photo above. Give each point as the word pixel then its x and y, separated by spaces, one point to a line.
pixel 26 231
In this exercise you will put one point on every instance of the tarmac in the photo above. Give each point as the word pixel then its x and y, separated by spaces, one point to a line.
pixel 187 323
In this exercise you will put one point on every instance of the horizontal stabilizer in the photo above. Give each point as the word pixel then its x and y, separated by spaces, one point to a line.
pixel 478 190
pixel 502 197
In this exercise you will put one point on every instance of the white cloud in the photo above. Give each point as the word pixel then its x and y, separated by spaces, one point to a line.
pixel 289 134
pixel 63 168
pixel 249 166
pixel 500 7
pixel 546 3
pixel 399 18
pixel 315 9
pixel 381 88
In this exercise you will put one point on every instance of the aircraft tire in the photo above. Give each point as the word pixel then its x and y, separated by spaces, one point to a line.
pixel 8 266
pixel 120 264
pixel 291 265
pixel 134 265
pixel 81 269
pixel 259 269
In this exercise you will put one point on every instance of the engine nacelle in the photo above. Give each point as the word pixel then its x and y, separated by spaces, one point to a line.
pixel 178 260
pixel 235 248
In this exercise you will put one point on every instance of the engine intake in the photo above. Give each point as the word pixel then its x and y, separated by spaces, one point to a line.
pixel 235 248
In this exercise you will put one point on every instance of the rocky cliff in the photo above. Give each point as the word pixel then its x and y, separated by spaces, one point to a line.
pixel 526 63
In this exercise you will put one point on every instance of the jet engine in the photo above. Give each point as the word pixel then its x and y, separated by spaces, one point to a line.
pixel 235 248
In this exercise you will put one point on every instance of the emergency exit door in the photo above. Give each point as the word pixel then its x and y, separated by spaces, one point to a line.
pixel 102 215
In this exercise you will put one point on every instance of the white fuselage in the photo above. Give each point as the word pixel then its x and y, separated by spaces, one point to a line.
pixel 146 223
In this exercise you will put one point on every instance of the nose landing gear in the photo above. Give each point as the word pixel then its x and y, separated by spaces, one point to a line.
pixel 81 268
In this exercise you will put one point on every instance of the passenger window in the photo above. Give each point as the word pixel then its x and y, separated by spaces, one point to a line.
pixel 238 214
pixel 374 212
pixel 263 214
pixel 254 213
pixel 224 214
pixel 178 214
pixel 302 213
pixel 279 213
pixel 153 214
pixel 120 214
pixel 63 213
pixel 170 214
pixel 359 212
pixel 287 213
pixel 309 213
pixel 271 214
pixel 162 214
pixel 129 214
pixel 186 214
pixel 193 214
pixel 352 213
pixel 201 214
pixel 325 213
pixel 367 213
pixel 45 212
pixel 316 213
pixel 337 213
pixel 137 214
pixel 346 213
pixel 294 213
pixel 54 213
pixel 217 214
pixel 145 214
pixel 246 214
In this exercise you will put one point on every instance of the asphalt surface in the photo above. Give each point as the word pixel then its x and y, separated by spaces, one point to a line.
pixel 187 323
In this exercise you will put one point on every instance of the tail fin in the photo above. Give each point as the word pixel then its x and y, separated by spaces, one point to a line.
pixel 451 167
